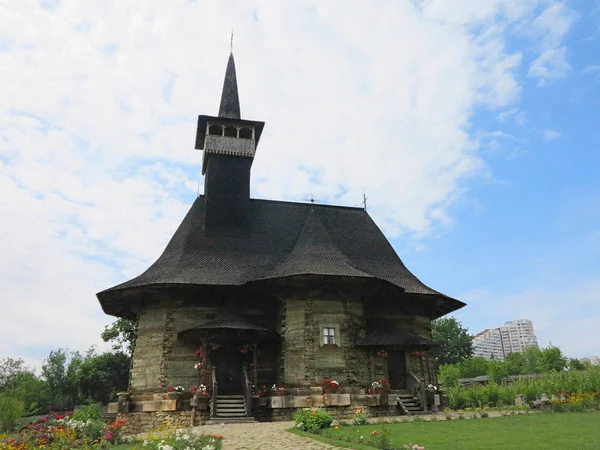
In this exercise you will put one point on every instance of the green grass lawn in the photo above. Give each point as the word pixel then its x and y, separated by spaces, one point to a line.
pixel 541 431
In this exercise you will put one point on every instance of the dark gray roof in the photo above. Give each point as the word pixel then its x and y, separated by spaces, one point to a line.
pixel 230 100
pixel 231 322
pixel 278 239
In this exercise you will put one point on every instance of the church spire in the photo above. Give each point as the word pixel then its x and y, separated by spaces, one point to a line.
pixel 230 101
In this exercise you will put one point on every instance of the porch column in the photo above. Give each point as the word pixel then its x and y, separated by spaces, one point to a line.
pixel 255 363
pixel 372 364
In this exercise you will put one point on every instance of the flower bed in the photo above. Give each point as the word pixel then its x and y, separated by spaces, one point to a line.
pixel 184 440
pixel 59 432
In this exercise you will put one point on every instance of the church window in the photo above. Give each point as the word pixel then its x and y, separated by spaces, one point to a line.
pixel 215 129
pixel 245 133
pixel 329 335
pixel 231 131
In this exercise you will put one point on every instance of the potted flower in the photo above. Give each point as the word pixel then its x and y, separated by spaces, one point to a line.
pixel 279 390
pixel 382 354
pixel 380 387
pixel 244 348
pixel 175 391
pixel 200 391
pixel 329 386
pixel 430 392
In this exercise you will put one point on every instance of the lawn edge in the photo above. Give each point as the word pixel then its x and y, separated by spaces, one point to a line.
pixel 318 437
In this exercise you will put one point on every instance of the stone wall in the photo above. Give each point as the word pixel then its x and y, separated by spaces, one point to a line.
pixel 337 412
pixel 143 422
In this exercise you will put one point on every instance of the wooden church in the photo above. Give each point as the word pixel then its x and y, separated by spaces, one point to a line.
pixel 251 292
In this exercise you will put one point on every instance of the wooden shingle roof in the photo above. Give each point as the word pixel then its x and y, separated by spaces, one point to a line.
pixel 277 240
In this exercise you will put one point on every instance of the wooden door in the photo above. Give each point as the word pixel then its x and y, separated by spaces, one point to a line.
pixel 228 366
pixel 396 363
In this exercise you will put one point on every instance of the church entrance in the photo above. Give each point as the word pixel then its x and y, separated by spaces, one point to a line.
pixel 397 370
pixel 228 365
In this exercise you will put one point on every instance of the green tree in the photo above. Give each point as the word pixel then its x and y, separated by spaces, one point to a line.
pixel 575 364
pixel 553 359
pixel 60 373
pixel 473 367
pixel 515 363
pixel 100 377
pixel 453 340
pixel 497 370
pixel 449 375
pixel 533 361
pixel 121 333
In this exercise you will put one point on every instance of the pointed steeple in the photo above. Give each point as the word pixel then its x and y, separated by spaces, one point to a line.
pixel 230 101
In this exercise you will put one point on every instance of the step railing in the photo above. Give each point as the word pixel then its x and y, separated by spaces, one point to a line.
pixel 247 391
pixel 215 392
pixel 416 388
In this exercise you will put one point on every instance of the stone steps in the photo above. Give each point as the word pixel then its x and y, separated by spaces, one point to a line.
pixel 231 407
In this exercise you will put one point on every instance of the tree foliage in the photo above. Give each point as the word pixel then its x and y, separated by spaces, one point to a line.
pixel 453 339
pixel 533 360
pixel 121 333
pixel 100 377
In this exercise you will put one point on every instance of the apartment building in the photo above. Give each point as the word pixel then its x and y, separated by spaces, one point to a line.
pixel 514 337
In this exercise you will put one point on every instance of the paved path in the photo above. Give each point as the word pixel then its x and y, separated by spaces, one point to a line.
pixel 264 435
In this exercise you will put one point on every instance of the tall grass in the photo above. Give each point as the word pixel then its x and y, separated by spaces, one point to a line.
pixel 494 394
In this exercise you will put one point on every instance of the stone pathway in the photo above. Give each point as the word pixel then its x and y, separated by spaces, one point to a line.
pixel 264 435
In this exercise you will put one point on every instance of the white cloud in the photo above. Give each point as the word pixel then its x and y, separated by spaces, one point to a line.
pixel 505 115
pixel 550 29
pixel 549 135
pixel 97 165
pixel 591 69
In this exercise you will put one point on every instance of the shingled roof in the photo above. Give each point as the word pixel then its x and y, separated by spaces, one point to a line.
pixel 230 100
pixel 278 240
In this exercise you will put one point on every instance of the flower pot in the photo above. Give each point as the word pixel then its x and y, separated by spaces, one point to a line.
pixel 173 395
pixel 279 393
pixel 429 398
pixel 123 397
pixel 329 389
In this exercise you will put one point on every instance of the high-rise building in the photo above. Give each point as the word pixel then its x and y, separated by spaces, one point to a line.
pixel 593 360
pixel 514 337
pixel 488 344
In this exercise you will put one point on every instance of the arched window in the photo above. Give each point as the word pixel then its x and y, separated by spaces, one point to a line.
pixel 245 133
pixel 215 129
pixel 231 131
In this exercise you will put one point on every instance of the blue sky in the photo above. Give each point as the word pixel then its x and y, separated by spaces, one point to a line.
pixel 472 129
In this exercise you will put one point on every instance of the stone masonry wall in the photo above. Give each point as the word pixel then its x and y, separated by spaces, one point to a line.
pixel 337 412
pixel 143 422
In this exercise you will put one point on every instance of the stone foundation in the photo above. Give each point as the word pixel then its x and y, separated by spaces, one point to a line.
pixel 149 412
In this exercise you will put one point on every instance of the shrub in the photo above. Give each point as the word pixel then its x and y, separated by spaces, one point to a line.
pixel 11 409
pixel 89 412
pixel 380 439
pixel 360 417
pixel 312 421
